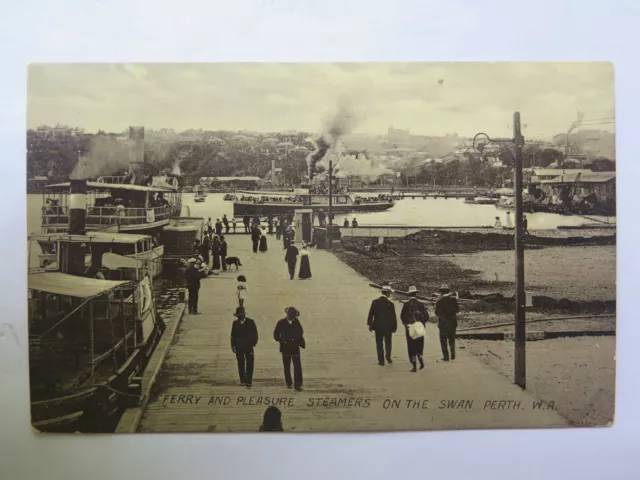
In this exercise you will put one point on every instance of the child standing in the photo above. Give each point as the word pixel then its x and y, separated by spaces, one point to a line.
pixel 241 289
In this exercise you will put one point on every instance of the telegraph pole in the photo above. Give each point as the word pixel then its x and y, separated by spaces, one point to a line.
pixel 520 371
pixel 520 328
pixel 329 230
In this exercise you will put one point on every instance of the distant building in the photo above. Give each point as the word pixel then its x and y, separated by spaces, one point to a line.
pixel 600 185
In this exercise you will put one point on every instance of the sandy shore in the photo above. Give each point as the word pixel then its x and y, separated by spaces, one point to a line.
pixel 577 374
pixel 576 273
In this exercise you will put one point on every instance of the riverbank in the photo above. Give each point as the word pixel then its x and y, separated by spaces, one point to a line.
pixel 577 278
pixel 577 374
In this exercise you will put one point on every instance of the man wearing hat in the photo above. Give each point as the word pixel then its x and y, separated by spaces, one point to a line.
pixel 193 275
pixel 244 337
pixel 290 335
pixel 383 321
pixel 414 310
pixel 291 257
pixel 446 311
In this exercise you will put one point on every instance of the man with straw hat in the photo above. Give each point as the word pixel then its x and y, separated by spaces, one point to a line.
pixel 244 337
pixel 414 310
pixel 290 335
pixel 446 311
pixel 383 321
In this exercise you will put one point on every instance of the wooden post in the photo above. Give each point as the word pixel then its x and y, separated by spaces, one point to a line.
pixel 329 230
pixel 93 349
pixel 520 327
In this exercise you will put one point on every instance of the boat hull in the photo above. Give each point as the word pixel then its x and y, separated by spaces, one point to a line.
pixel 246 208
pixel 97 408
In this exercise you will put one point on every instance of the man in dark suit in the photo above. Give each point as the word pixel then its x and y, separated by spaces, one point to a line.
pixel 446 311
pixel 291 258
pixel 255 238
pixel 383 321
pixel 290 335
pixel 244 337
pixel 193 274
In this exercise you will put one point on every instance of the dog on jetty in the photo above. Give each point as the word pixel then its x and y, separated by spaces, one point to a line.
pixel 233 261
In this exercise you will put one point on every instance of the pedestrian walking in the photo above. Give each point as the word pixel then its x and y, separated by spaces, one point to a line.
pixel 525 225
pixel 509 223
pixel 193 275
pixel 383 321
pixel 446 311
pixel 413 311
pixel 218 227
pixel 255 238
pixel 209 226
pixel 205 249
pixel 216 250
pixel 291 257
pixel 305 265
pixel 223 253
pixel 246 220
pixel 244 337
pixel 290 335
pixel 277 226
pixel 272 420
pixel 263 241
pixel 225 222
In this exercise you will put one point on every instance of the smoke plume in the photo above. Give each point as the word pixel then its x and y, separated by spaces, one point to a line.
pixel 337 126
pixel 106 156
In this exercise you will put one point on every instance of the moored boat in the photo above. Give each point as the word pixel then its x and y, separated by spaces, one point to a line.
pixel 91 330
pixel 124 207
pixel 282 203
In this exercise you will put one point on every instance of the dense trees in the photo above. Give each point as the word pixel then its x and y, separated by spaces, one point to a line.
pixel 203 154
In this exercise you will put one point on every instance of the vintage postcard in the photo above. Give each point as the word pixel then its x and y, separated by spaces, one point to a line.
pixel 321 247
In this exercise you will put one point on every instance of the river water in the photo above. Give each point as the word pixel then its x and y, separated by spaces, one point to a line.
pixel 431 212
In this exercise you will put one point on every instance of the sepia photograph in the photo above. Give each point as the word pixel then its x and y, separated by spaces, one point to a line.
pixel 321 247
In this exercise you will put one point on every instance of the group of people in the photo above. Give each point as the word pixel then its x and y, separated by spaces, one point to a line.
pixel 219 226
pixel 213 246
pixel 288 333
pixel 382 320
pixel 291 259
pixel 509 223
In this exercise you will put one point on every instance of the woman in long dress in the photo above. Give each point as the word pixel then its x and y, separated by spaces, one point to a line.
pixel 414 310
pixel 305 266
pixel 263 241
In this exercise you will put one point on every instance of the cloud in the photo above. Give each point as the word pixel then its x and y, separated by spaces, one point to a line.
pixel 428 98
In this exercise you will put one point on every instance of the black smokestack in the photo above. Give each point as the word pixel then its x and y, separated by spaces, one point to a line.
pixel 73 253
pixel 77 207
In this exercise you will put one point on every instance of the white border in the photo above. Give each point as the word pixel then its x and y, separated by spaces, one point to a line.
pixel 294 30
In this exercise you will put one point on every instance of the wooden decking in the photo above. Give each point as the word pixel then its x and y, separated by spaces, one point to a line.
pixel 344 388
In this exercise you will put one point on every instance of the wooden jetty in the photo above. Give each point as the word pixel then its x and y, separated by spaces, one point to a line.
pixel 344 387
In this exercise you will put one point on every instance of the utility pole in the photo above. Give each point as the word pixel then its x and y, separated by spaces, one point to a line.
pixel 520 327
pixel 329 230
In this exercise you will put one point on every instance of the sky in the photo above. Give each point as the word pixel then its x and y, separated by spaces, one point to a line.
pixel 426 98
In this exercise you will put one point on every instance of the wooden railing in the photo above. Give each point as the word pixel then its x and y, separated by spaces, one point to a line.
pixel 109 216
